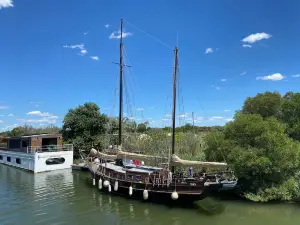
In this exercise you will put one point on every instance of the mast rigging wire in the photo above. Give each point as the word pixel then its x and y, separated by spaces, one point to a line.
pixel 149 35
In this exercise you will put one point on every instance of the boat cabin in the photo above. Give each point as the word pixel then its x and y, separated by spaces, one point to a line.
pixel 35 143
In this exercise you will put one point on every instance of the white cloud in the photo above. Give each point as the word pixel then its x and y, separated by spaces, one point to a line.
pixel 296 75
pixel 107 25
pixel 183 115
pixel 42 120
pixel 95 58
pixel 247 46
pixel 1 115
pixel 216 118
pixel 227 110
pixel 79 46
pixel 46 118
pixel 168 115
pixel 38 113
pixel 223 80
pixel 140 109
pixel 117 35
pixel 229 119
pixel 273 77
pixel 6 3
pixel 3 107
pixel 252 38
pixel 216 87
pixel 209 50
pixel 10 115
pixel 10 127
pixel 83 51
pixel 243 73
pixel 85 33
pixel 43 114
pixel 1 121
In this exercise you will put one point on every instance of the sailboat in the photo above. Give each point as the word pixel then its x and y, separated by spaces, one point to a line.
pixel 148 183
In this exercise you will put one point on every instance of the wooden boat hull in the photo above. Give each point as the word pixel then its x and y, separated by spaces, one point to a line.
pixel 156 194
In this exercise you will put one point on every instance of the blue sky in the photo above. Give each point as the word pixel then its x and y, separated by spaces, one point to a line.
pixel 56 55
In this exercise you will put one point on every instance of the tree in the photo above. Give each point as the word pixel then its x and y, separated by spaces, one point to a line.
pixel 290 114
pixel 83 125
pixel 265 104
pixel 261 154
pixel 141 128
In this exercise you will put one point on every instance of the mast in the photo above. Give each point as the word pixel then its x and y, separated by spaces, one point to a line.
pixel 174 102
pixel 121 85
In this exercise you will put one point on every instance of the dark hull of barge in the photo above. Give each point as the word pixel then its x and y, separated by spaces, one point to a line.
pixel 160 194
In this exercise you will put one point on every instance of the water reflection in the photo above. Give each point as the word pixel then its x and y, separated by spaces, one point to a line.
pixel 63 197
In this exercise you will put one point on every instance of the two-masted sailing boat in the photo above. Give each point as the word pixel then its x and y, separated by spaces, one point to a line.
pixel 155 184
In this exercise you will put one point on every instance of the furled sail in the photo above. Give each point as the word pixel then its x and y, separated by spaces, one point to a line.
pixel 130 155
pixel 176 161
pixel 102 155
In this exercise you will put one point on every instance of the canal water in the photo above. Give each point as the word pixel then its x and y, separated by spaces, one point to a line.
pixel 66 197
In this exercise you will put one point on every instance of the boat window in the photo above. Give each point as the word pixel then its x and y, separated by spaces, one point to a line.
pixel 1 157
pixel 25 143
pixel 49 144
pixel 54 161
pixel 8 159
pixel 14 143
pixel 138 177
pixel 18 161
pixel 130 177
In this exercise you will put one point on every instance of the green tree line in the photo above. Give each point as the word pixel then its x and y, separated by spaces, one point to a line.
pixel 262 146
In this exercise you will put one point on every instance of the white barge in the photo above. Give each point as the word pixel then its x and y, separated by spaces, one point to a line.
pixel 37 153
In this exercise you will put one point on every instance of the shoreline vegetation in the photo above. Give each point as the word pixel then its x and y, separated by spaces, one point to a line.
pixel 261 144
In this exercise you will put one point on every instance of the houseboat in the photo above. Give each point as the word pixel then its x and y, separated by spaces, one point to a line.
pixel 37 153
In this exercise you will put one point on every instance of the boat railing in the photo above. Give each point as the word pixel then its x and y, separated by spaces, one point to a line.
pixel 49 148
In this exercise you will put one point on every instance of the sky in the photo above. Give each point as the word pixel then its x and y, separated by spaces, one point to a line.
pixel 56 55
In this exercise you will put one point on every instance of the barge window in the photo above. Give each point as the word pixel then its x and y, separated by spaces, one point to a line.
pixel 14 143
pixel 25 143
pixel 54 161
pixel 8 159
pixel 49 144
pixel 1 157
pixel 18 161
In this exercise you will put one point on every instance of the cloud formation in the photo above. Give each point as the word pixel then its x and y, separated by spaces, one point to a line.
pixel 95 58
pixel 117 35
pixel 209 50
pixel 296 75
pixel 81 47
pixel 272 77
pixel 252 38
pixel 247 46
pixel 6 4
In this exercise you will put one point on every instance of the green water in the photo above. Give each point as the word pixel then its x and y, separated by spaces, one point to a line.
pixel 66 197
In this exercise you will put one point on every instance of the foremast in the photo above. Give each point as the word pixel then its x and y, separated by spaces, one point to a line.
pixel 121 85
pixel 174 102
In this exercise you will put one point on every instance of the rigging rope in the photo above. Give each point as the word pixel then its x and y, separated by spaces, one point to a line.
pixel 149 35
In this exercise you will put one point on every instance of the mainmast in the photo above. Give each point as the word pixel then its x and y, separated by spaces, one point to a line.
pixel 174 102
pixel 121 85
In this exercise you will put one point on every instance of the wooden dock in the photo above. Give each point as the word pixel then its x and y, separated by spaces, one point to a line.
pixel 80 166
